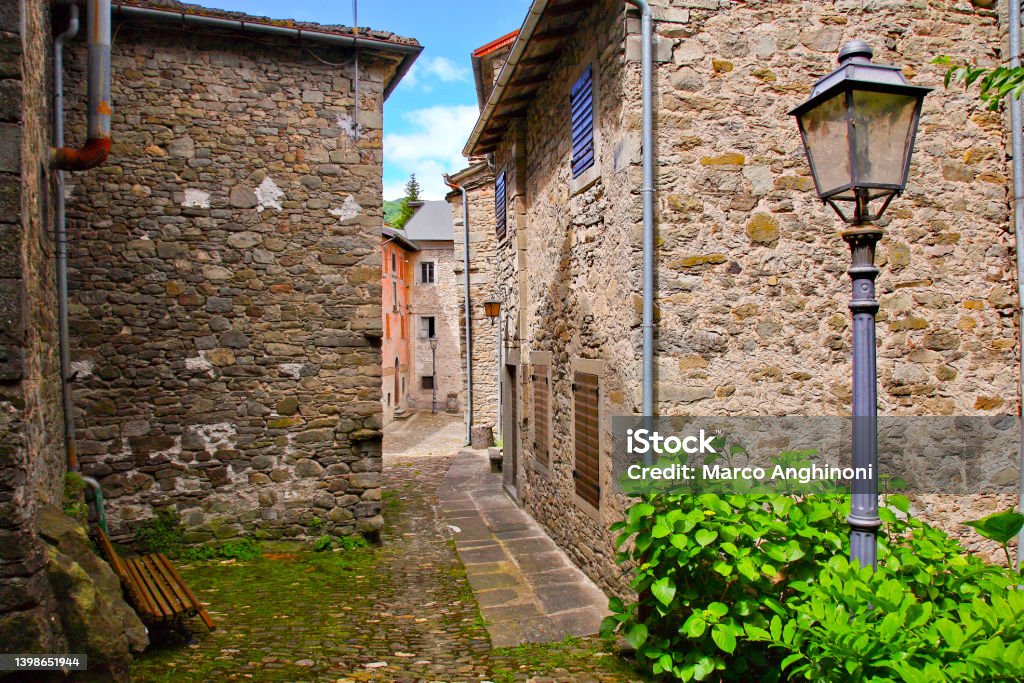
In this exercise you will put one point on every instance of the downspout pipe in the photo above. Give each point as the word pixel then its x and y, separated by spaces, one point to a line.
pixel 60 238
pixel 97 145
pixel 1017 142
pixel 647 125
pixel 469 318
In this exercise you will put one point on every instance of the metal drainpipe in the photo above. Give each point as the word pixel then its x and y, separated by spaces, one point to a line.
pixel 97 146
pixel 647 123
pixel 60 238
pixel 469 317
pixel 1017 141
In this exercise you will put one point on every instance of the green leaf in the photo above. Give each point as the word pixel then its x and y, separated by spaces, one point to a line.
pixel 703 667
pixel 719 609
pixel 705 536
pixel 608 626
pixel 636 635
pixel 796 656
pixel 664 590
pixel 695 626
pixel 999 527
pixel 724 638
pixel 901 503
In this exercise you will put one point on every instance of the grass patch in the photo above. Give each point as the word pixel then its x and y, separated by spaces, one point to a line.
pixel 578 656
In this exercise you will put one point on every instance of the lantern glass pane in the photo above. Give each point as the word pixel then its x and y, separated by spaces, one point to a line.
pixel 883 124
pixel 828 143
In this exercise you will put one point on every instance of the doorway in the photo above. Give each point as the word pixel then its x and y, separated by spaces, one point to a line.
pixel 510 429
pixel 398 385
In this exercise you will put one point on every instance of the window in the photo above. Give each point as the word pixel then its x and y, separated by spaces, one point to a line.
pixel 427 272
pixel 403 327
pixel 387 325
pixel 541 412
pixel 581 105
pixel 428 327
pixel 587 447
pixel 394 266
pixel 427 382
pixel 499 206
pixel 394 295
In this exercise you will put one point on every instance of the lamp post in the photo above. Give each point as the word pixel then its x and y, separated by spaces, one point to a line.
pixel 492 307
pixel 433 375
pixel 858 130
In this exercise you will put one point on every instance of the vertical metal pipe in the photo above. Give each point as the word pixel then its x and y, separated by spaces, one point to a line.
pixel 1017 142
pixel 647 134
pixel 98 18
pixel 863 519
pixel 60 238
pixel 469 318
pixel 501 326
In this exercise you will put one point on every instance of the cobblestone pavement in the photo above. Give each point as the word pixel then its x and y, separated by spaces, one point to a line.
pixel 399 612
pixel 425 433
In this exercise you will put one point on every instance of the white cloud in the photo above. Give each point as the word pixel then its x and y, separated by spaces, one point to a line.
pixel 432 147
pixel 429 69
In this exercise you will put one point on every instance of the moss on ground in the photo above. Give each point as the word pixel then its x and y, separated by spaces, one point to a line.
pixel 572 657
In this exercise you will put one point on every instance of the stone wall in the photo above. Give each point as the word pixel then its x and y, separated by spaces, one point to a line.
pixel 479 183
pixel 32 455
pixel 226 285
pixel 442 301
pixel 751 282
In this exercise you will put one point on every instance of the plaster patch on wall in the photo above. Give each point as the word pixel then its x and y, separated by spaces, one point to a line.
pixel 268 194
pixel 196 199
pixel 82 368
pixel 199 363
pixel 348 126
pixel 69 192
pixel 348 210
pixel 218 435
pixel 291 369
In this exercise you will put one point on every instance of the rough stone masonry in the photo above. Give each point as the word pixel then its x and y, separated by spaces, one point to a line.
pixel 226 284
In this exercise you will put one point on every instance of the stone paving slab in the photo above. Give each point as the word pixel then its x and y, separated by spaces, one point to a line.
pixel 527 587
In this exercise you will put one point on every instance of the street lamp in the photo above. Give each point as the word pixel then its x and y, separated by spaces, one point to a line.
pixel 858 130
pixel 492 307
pixel 433 375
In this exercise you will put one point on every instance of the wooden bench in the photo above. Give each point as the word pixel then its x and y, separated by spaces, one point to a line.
pixel 154 586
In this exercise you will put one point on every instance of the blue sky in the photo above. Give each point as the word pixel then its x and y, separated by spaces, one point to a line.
pixel 429 116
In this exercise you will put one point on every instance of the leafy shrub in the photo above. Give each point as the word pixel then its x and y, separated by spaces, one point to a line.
pixel 240 549
pixel 352 542
pixel 162 533
pixel 936 614
pixel 719 577
pixel 74 504
pixel 707 566
pixel 323 543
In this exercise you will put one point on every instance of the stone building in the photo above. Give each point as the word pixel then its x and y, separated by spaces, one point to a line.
pixel 751 295
pixel 396 344
pixel 435 305
pixel 225 275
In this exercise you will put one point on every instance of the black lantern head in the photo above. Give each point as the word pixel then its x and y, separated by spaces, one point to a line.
pixel 858 130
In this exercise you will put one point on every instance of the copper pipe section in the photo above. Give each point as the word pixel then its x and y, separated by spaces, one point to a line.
pixel 97 146
pixel 94 153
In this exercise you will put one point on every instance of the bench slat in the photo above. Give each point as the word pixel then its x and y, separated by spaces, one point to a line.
pixel 147 601
pixel 191 596
pixel 166 589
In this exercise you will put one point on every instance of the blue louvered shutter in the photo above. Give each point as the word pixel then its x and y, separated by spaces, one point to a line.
pixel 499 206
pixel 581 104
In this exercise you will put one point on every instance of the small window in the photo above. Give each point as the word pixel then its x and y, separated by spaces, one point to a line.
pixel 394 262
pixel 387 325
pixel 394 294
pixel 500 213
pixel 427 272
pixel 403 327
pixel 428 327
pixel 427 382
pixel 581 105
pixel 587 449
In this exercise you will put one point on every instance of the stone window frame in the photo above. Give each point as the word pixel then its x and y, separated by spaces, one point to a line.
pixel 586 179
pixel 433 272
pixel 423 319
pixel 542 358
pixel 592 367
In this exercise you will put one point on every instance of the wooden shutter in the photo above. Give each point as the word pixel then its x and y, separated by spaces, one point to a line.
pixel 500 209
pixel 541 391
pixel 581 105
pixel 588 438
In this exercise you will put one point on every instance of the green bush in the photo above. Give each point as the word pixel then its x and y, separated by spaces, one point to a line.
pixel 707 566
pixel 162 533
pixel 936 614
pixel 721 577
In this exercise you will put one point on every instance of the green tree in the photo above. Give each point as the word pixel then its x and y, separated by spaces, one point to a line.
pixel 412 194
